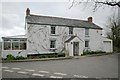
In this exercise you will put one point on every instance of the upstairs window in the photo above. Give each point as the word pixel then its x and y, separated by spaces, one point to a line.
pixel 52 43
pixel 86 32
pixel 87 43
pixel 52 29
pixel 70 30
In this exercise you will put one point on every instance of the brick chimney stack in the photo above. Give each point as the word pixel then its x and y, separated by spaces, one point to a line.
pixel 27 11
pixel 90 19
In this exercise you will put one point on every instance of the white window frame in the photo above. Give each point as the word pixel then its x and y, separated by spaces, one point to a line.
pixel 53 44
pixel 70 30
pixel 87 43
pixel 15 41
pixel 11 44
pixel 87 32
pixel 8 40
pixel 53 30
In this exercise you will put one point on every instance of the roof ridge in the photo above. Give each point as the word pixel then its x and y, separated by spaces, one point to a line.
pixel 58 17
pixel 53 20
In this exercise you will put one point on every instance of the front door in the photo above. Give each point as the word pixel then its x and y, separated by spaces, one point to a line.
pixel 76 48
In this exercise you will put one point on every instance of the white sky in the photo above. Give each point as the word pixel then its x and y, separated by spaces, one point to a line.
pixel 13 14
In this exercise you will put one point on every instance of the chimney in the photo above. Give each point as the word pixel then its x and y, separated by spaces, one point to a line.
pixel 27 11
pixel 89 19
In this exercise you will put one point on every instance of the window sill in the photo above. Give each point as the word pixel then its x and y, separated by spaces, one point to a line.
pixel 54 35
pixel 87 36
pixel 71 35
pixel 53 49
pixel 87 48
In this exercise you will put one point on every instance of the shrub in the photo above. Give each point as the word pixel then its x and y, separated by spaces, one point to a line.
pixel 91 52
pixel 19 57
pixel 47 55
pixel 10 57
pixel 61 54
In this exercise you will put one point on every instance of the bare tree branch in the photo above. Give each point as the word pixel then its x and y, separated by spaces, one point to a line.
pixel 110 3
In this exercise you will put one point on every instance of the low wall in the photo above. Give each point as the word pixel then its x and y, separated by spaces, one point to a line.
pixel 14 53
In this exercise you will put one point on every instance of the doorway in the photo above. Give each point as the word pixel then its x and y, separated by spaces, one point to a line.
pixel 75 48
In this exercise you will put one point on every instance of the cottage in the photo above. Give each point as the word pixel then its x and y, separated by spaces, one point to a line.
pixel 47 34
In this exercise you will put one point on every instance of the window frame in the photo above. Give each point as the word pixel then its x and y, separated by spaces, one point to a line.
pixel 87 44
pixel 53 29
pixel 7 41
pixel 52 46
pixel 13 46
pixel 12 43
pixel 23 42
pixel 70 30
pixel 86 31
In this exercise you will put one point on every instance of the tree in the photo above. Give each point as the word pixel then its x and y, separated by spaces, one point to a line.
pixel 114 25
pixel 98 3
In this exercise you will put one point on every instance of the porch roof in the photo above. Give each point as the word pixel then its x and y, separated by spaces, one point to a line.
pixel 106 39
pixel 15 37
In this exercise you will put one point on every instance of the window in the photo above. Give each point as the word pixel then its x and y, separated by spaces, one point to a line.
pixel 15 45
pixel 7 44
pixel 22 44
pixel 70 30
pixel 86 32
pixel 86 43
pixel 52 29
pixel 52 43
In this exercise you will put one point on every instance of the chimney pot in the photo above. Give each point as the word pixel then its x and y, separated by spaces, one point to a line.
pixel 89 19
pixel 27 11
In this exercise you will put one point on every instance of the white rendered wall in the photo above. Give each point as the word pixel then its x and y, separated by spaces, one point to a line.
pixel 14 53
pixel 40 37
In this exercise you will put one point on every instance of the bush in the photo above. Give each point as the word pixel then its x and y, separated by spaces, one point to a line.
pixel 10 57
pixel 47 55
pixel 19 57
pixel 92 52
pixel 61 54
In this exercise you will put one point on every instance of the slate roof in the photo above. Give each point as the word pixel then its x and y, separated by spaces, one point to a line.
pixel 58 21
pixel 71 38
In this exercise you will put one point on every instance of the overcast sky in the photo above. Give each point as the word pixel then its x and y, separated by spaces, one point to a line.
pixel 13 14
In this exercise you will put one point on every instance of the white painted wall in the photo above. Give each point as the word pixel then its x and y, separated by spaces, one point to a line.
pixel 95 39
pixel 14 53
pixel 39 36
pixel 38 40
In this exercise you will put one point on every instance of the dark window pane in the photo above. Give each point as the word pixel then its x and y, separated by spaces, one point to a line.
pixel 23 46
pixel 15 45
pixel 86 43
pixel 86 31
pixel 52 29
pixel 70 30
pixel 52 44
pixel 7 45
